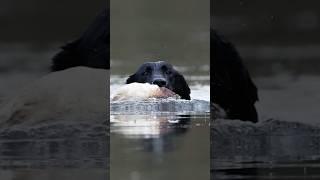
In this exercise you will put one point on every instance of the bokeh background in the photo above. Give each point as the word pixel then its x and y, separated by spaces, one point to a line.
pixel 176 31
pixel 32 32
pixel 272 36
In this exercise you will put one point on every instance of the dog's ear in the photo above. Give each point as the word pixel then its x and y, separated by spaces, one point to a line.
pixel 181 87
pixel 131 79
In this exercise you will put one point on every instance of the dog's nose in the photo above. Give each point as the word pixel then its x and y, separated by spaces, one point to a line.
pixel 160 82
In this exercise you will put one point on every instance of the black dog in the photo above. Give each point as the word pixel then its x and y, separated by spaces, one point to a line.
pixel 162 74
pixel 231 85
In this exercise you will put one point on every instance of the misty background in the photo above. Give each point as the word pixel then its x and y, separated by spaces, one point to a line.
pixel 32 32
pixel 38 21
pixel 175 31
pixel 272 36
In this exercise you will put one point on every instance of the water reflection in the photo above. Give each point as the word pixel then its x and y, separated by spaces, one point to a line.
pixel 53 158
pixel 149 126
pixel 53 174
pixel 153 133
pixel 159 146
pixel 269 149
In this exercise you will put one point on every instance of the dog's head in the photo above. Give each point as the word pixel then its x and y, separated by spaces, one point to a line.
pixel 162 74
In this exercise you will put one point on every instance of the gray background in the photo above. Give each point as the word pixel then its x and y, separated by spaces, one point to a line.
pixel 273 37
pixel 149 30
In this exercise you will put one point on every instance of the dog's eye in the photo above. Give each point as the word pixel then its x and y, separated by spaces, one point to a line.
pixel 168 72
pixel 145 73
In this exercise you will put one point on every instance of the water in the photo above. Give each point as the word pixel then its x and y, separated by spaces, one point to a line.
pixel 272 149
pixel 55 151
pixel 160 147
pixel 162 105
